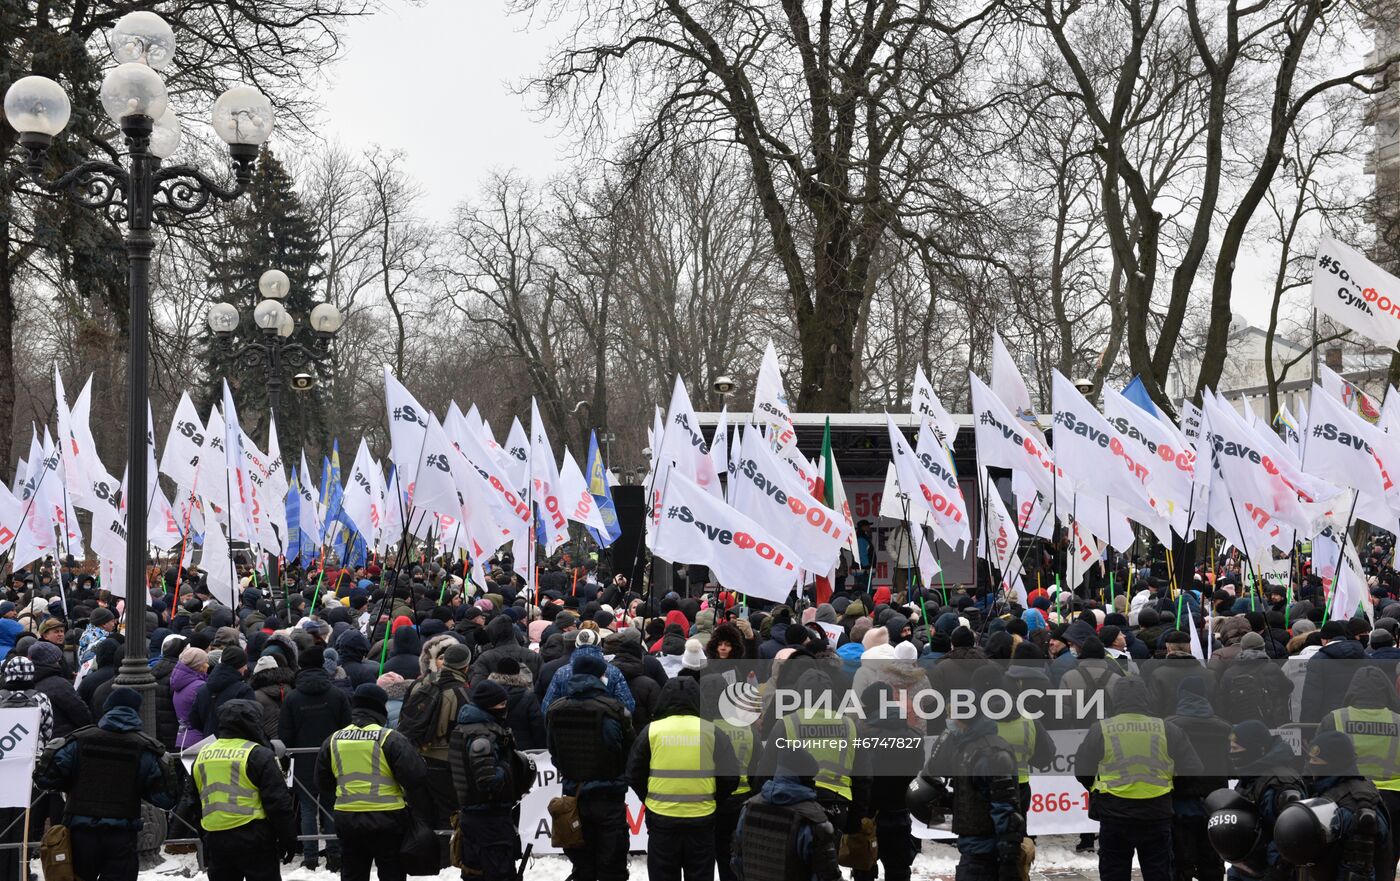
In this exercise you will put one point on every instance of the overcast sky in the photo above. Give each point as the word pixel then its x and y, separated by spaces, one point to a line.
pixel 440 78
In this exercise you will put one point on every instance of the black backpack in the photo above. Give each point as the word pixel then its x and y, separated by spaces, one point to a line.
pixel 418 718
pixel 1246 695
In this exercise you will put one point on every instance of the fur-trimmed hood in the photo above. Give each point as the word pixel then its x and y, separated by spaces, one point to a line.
pixel 507 680
pixel 433 647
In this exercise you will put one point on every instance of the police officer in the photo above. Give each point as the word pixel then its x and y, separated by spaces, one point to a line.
pixel 1128 762
pixel 681 767
pixel 1267 769
pixel 589 735
pixel 831 739
pixel 245 806
pixel 888 719
pixel 742 739
pixel 783 832
pixel 376 775
pixel 108 769
pixel 1192 855
pixel 1359 832
pixel 1028 738
pixel 488 779
pixel 1369 719
pixel 985 800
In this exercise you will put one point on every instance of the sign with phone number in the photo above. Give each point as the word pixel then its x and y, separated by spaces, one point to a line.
pixel 1059 805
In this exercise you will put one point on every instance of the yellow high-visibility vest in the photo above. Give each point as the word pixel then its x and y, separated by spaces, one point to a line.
pixel 821 733
pixel 682 782
pixel 1136 763
pixel 1375 733
pixel 228 797
pixel 363 781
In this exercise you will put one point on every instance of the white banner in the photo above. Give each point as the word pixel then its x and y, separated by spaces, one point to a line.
pixel 19 743
pixel 688 525
pixel 924 403
pixel 1356 293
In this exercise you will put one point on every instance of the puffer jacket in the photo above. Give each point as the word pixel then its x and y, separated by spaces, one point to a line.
pixel 1326 683
pixel 353 647
pixel 615 681
pixel 185 683
pixel 167 723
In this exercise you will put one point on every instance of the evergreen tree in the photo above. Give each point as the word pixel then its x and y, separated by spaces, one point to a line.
pixel 269 229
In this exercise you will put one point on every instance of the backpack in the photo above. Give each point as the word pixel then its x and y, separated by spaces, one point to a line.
pixel 1247 696
pixel 419 715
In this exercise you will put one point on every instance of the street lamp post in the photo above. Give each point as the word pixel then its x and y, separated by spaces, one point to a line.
pixel 139 195
pixel 273 347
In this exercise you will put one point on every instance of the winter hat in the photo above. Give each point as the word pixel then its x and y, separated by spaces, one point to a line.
pixel 694 656
pixel 1336 752
pixel 1303 625
pixel 19 673
pixel 388 679
pixel 52 624
pixel 122 697
pixel 457 656
pixel 906 651
pixel 1381 639
pixel 1252 641
pixel 234 656
pixel 487 694
pixel 45 653
pixel 1334 629
pixel 313 657
pixel 586 664
pixel 370 696
pixel 586 637
pixel 963 639
pixel 875 636
pixel 266 662
pixel 1254 738
pixel 100 616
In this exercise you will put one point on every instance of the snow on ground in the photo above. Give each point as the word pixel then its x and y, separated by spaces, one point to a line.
pixel 1054 854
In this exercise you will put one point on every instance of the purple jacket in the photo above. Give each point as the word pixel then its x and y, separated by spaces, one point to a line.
pixel 184 685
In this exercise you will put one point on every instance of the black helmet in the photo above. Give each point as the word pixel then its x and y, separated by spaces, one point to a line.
pixel 1233 831
pixel 1303 830
pixel 923 798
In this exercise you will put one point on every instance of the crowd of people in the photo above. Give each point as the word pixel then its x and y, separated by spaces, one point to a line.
pixel 409 702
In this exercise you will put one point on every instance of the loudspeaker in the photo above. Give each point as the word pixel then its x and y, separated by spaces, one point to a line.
pixel 628 553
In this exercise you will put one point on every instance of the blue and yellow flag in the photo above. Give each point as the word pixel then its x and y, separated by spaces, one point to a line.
pixel 602 495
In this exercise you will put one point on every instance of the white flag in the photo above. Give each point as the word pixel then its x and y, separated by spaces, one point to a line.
pixel 927 476
pixel 309 511
pixel 362 504
pixel 1032 514
pixel 998 541
pixel 1356 293
pixel 1173 471
pixel 1010 386
pixel 1345 449
pixel 683 445
pixel 771 493
pixel 184 445
pixel 408 420
pixel 1094 456
pixel 544 477
pixel 924 404
pixel 217 563
pixel 688 525
pixel 240 521
pixel 719 444
pixel 770 403
pixel 579 505
pixel 1003 441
